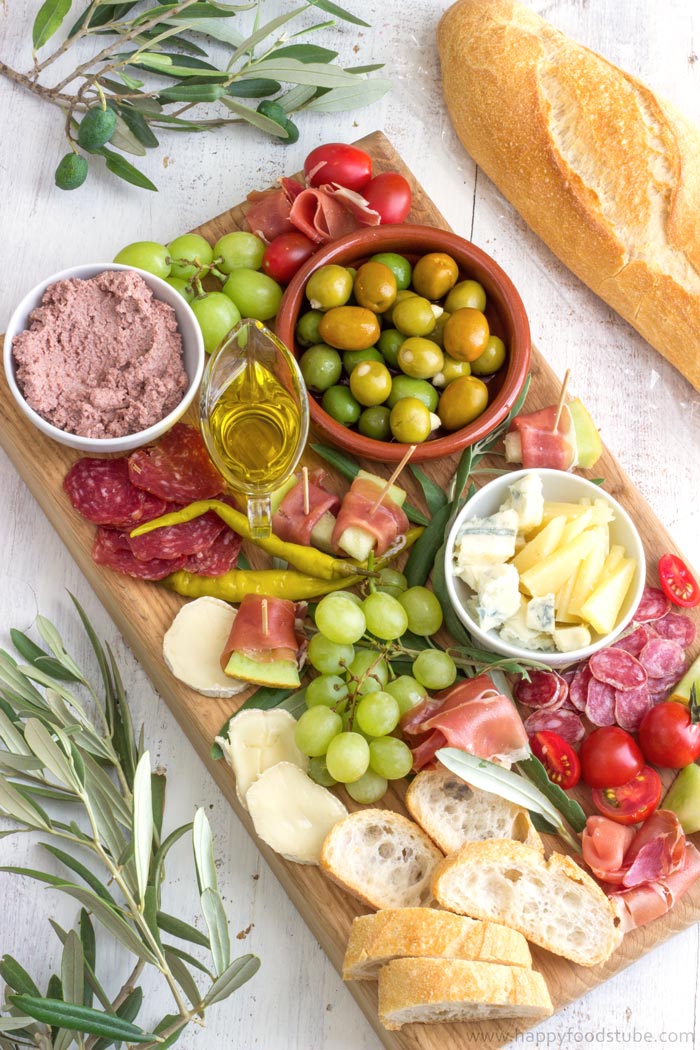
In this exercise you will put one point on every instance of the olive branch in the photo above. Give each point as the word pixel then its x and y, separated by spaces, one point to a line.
pixel 57 749
pixel 156 69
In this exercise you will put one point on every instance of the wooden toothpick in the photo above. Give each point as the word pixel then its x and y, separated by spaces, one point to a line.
pixel 265 626
pixel 562 396
pixel 409 452
pixel 305 483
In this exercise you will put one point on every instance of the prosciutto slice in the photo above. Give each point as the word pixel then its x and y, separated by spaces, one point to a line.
pixel 358 510
pixel 640 905
pixel 292 523
pixel 540 444
pixel 473 716
pixel 263 641
pixel 328 212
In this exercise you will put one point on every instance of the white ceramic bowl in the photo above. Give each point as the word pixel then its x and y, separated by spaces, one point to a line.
pixel 559 486
pixel 193 354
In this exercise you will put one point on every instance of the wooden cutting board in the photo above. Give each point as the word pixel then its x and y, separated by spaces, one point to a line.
pixel 143 611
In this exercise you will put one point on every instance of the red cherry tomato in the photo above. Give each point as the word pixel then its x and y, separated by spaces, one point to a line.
pixel 669 737
pixel 390 195
pixel 338 162
pixel 609 758
pixel 285 254
pixel 632 802
pixel 677 582
pixel 557 756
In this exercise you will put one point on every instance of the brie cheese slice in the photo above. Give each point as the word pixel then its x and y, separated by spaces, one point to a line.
pixel 194 642
pixel 256 741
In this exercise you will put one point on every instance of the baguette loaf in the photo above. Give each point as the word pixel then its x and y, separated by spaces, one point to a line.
pixel 382 858
pixel 606 173
pixel 427 933
pixel 453 813
pixel 553 902
pixel 430 990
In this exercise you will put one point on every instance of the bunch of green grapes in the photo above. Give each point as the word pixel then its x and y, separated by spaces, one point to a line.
pixel 355 703
pixel 234 260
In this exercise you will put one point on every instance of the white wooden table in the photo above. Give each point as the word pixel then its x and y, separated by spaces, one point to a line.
pixel 648 415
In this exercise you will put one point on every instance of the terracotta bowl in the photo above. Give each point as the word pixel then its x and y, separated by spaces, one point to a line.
pixel 505 313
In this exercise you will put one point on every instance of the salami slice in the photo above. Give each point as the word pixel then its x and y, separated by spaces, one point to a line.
pixel 177 469
pixel 578 687
pixel 661 688
pixel 618 668
pixel 677 628
pixel 653 605
pixel 662 657
pixel 631 705
pixel 635 641
pixel 174 541
pixel 111 548
pixel 217 559
pixel 544 689
pixel 101 492
pixel 566 723
pixel 600 703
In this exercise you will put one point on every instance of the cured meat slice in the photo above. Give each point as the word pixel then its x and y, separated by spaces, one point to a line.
pixel 268 214
pixel 566 723
pixel 217 559
pixel 177 469
pixel 604 844
pixel 653 605
pixel 600 703
pixel 642 904
pixel 328 212
pixel 544 689
pixel 618 668
pixel 111 548
pixel 291 523
pixel 677 628
pixel 578 687
pixel 173 541
pixel 263 630
pixel 662 657
pixel 101 492
pixel 660 688
pixel 541 443
pixel 631 705
pixel 359 508
pixel 635 641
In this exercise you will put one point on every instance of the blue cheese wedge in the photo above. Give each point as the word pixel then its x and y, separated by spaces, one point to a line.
pixel 515 631
pixel 497 596
pixel 539 614
pixel 527 500
pixel 487 540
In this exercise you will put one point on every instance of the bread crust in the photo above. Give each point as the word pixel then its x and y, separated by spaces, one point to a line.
pixel 428 933
pixel 606 173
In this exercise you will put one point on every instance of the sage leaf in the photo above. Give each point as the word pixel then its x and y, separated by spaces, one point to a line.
pixel 49 18
pixel 203 847
pixel 72 969
pixel 120 167
pixel 16 977
pixel 178 928
pixel 350 96
pixel 340 12
pixel 240 971
pixel 215 918
pixel 183 977
pixel 143 822
pixel 80 1018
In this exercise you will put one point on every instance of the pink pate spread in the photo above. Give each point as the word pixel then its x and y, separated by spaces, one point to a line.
pixel 101 357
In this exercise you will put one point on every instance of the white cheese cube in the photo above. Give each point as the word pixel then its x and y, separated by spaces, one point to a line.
pixel 539 614
pixel 527 501
pixel 497 596
pixel 566 639
pixel 487 540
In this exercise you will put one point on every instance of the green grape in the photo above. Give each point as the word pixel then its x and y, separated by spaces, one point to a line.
pixel 255 294
pixel 315 730
pixel 318 771
pixel 434 669
pixel 385 615
pixel 239 250
pixel 189 254
pixel 368 789
pixel 377 713
pixel 407 692
pixel 392 582
pixel 340 619
pixel 370 669
pixel 354 598
pixel 180 285
pixel 347 757
pixel 329 657
pixel 390 757
pixel 217 315
pixel 146 255
pixel 423 610
pixel 326 690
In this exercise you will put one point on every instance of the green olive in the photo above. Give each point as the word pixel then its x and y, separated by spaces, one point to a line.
pixel 410 421
pixel 374 423
pixel 399 266
pixel 307 333
pixel 349 328
pixel 452 369
pixel 370 383
pixel 320 366
pixel 414 316
pixel 462 401
pixel 466 293
pixel 438 333
pixel 466 334
pixel 328 287
pixel 339 403
pixel 420 358
pixel 406 386
pixel 404 293
pixel 491 359
pixel 434 275
pixel 375 287
pixel 389 343
pixel 353 357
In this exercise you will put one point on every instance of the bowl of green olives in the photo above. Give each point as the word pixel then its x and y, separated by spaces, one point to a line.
pixel 406 335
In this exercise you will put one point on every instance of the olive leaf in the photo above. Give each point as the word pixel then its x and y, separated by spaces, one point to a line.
pixel 215 918
pixel 80 1018
pixel 239 971
pixel 49 19
pixel 120 167
pixel 203 847
pixel 143 822
pixel 350 96
pixel 72 969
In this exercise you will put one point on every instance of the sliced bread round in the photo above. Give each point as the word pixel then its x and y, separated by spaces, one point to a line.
pixel 431 990
pixel 382 858
pixel 554 903
pixel 427 933
pixel 453 813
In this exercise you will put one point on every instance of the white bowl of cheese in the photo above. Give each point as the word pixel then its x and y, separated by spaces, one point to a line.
pixel 542 564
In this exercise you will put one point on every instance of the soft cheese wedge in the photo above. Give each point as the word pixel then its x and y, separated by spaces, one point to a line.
pixel 193 643
pixel 257 740
pixel 292 813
